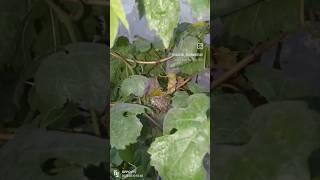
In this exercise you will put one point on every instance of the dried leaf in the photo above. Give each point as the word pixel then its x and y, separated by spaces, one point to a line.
pixel 172 81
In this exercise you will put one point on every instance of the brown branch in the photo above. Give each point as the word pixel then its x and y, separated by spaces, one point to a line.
pixel 6 137
pixel 183 83
pixel 247 60
pixel 118 56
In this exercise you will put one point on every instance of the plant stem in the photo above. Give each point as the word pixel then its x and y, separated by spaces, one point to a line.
pixel 154 122
pixel 95 122
pixel 247 60
pixel 118 56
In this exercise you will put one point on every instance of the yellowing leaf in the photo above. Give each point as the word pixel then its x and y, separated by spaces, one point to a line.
pixel 172 81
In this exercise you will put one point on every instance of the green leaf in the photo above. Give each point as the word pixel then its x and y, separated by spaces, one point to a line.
pixel 126 126
pixel 191 116
pixel 264 19
pixel 135 85
pixel 180 156
pixel 196 88
pixel 275 85
pixel 29 154
pixel 141 9
pixel 163 17
pixel 199 7
pixel 116 13
pixel 284 135
pixel 79 73
pixel 188 58
pixel 115 157
pixel 114 25
pixel 231 116
pixel 179 99
pixel 142 45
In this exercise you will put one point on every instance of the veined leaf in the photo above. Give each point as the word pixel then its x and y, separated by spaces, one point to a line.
pixel 126 126
pixel 163 17
pixel 180 156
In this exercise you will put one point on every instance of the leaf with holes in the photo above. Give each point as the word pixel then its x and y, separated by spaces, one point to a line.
pixel 125 124
pixel 179 156
pixel 79 74
pixel 191 116
pixel 37 153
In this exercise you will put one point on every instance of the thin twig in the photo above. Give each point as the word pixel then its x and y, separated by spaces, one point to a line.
pixel 183 83
pixel 95 122
pixel 247 60
pixel 118 56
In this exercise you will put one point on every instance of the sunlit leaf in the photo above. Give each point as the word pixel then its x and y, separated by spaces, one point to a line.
pixel 192 115
pixel 180 156
pixel 163 17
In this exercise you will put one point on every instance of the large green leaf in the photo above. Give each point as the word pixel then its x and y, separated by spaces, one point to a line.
pixel 125 125
pixel 135 84
pixel 163 17
pixel 284 135
pixel 79 74
pixel 194 115
pixel 275 85
pixel 116 13
pixel 264 19
pixel 180 156
pixel 231 114
pixel 29 154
